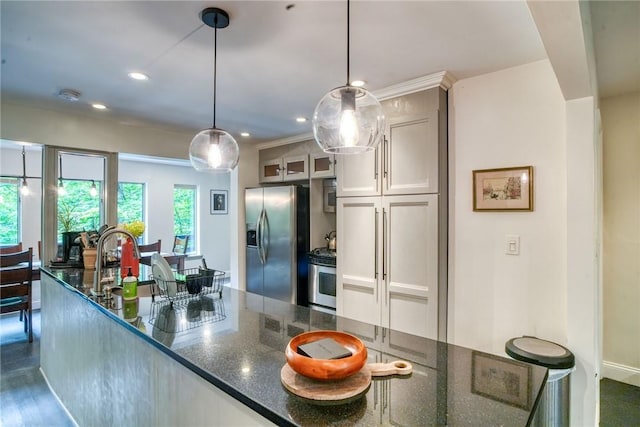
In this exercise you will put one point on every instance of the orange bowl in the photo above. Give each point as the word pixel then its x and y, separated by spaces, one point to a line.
pixel 326 369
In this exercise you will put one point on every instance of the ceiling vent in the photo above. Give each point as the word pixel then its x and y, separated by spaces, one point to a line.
pixel 69 95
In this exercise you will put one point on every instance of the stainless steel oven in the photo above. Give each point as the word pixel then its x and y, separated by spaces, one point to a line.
pixel 322 278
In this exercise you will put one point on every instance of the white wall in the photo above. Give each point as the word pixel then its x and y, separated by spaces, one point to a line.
pixel 514 117
pixel 245 175
pixel 42 126
pixel 519 117
pixel 214 230
pixel 582 217
pixel 621 126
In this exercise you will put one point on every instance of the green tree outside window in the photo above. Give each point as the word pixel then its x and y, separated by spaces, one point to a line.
pixel 184 213
pixel 9 211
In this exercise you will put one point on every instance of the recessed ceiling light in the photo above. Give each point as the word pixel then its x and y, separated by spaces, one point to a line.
pixel 358 83
pixel 99 106
pixel 135 75
pixel 301 119
pixel 245 134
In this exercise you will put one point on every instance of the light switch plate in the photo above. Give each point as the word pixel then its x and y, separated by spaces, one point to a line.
pixel 512 244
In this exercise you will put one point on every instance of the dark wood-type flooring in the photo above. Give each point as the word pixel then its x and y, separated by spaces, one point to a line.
pixel 25 399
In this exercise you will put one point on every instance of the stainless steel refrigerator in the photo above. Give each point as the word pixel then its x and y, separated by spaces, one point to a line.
pixel 278 242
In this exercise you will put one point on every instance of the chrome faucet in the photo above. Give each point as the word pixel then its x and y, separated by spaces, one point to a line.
pixel 97 283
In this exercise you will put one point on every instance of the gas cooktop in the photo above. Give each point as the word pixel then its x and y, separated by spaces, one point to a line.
pixel 323 256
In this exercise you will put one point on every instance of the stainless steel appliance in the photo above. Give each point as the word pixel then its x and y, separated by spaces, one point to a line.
pixel 278 242
pixel 329 195
pixel 322 279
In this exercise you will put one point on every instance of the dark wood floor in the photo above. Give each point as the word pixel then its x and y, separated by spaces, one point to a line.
pixel 619 404
pixel 25 399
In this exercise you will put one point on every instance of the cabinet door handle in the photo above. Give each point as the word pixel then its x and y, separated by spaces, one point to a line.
pixel 385 158
pixel 375 165
pixel 384 244
pixel 375 243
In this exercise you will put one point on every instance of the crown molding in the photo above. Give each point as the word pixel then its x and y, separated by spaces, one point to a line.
pixel 141 158
pixel 442 79
pixel 285 141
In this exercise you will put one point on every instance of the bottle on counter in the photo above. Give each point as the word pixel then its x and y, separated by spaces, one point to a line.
pixel 128 260
pixel 130 286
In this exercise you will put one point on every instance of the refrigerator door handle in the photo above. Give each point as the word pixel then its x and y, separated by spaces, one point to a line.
pixel 260 231
pixel 264 246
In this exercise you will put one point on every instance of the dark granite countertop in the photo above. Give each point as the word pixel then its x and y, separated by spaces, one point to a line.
pixel 237 342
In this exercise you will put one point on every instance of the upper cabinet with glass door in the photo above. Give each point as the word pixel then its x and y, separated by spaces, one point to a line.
pixel 321 165
pixel 289 168
pixel 407 161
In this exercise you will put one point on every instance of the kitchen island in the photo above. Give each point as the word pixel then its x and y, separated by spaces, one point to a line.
pixel 216 360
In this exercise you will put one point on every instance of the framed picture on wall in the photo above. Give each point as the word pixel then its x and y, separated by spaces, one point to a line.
pixel 219 202
pixel 505 189
pixel 501 379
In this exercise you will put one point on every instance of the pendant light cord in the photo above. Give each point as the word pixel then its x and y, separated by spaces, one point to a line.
pixel 24 165
pixel 348 43
pixel 215 57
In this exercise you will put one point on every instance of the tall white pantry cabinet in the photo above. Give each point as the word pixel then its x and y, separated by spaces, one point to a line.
pixel 392 222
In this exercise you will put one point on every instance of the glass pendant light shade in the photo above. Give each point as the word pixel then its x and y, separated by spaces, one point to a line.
pixel 348 120
pixel 24 190
pixel 61 189
pixel 214 150
pixel 93 191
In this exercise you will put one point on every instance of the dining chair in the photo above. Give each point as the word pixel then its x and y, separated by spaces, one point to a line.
pixel 16 273
pixel 151 247
pixel 180 244
pixel 11 249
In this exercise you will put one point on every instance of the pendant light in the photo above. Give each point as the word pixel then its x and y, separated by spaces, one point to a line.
pixel 93 191
pixel 61 190
pixel 348 119
pixel 213 149
pixel 24 190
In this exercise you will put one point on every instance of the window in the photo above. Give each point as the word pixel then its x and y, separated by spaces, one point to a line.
pixel 184 213
pixel 79 209
pixel 9 211
pixel 130 202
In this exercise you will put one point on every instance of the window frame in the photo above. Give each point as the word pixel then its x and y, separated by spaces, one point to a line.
pixel 193 239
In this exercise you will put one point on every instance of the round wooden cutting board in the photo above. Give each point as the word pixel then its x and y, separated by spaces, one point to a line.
pixel 338 392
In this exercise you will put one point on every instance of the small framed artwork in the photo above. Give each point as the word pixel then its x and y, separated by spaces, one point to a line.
pixel 501 379
pixel 219 202
pixel 506 189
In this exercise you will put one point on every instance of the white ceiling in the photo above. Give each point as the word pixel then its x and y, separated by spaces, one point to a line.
pixel 274 63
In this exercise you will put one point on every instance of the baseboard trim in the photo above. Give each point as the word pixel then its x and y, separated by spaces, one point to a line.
pixel 64 408
pixel 622 373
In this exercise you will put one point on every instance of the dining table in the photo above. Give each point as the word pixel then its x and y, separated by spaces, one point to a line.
pixel 174 259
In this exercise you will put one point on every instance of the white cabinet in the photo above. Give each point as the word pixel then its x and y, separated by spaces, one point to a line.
pixel 405 162
pixel 291 168
pixel 359 230
pixel 387 269
pixel 321 165
pixel 410 156
pixel 410 264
